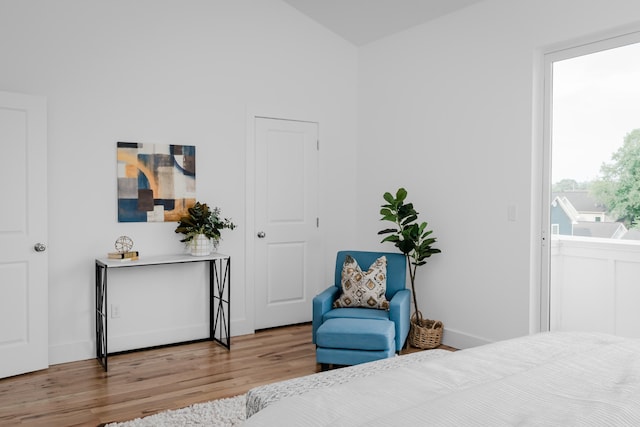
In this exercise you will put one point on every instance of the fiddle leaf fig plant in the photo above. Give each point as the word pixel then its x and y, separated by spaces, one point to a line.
pixel 410 237
pixel 203 220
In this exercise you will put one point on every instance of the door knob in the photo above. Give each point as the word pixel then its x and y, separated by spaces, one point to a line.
pixel 40 247
pixel 261 234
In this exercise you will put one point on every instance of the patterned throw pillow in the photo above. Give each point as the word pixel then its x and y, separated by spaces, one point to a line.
pixel 363 289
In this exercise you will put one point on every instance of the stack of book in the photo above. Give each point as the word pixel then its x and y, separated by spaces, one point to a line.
pixel 124 256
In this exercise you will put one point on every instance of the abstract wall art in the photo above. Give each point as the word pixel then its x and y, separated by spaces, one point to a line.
pixel 156 182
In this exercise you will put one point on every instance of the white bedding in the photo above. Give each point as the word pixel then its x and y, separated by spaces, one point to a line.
pixel 262 396
pixel 549 379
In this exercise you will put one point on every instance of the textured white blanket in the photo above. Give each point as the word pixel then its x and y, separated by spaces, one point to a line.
pixel 549 379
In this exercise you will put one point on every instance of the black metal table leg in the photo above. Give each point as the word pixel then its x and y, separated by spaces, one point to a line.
pixel 101 314
pixel 220 278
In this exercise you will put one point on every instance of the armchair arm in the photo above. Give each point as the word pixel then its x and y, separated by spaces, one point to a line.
pixel 322 303
pixel 399 314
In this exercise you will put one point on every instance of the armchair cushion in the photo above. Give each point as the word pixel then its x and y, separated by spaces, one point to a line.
pixel 363 289
pixel 355 313
pixel 357 334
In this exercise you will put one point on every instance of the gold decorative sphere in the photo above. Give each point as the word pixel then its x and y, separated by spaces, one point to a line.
pixel 124 244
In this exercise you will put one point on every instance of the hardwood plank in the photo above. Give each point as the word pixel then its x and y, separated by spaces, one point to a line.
pixel 146 382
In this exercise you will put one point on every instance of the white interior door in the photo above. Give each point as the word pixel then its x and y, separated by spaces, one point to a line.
pixel 23 227
pixel 287 246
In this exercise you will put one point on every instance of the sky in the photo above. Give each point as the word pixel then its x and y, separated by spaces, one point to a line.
pixel 596 102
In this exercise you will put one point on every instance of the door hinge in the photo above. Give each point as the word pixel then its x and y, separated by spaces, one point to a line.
pixel 317 222
pixel 318 145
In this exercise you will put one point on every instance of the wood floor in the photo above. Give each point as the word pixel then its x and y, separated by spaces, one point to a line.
pixel 143 383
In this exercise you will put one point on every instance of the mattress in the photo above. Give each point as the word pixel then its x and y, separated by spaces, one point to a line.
pixel 547 379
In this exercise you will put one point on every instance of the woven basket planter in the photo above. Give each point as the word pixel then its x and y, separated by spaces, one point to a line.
pixel 425 333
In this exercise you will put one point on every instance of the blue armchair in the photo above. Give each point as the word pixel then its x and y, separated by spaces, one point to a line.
pixel 349 336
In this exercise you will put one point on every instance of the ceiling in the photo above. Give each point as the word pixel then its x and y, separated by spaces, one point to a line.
pixel 364 21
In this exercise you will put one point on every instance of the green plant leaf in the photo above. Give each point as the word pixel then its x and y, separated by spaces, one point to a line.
pixel 401 194
pixel 387 230
pixel 409 219
pixel 406 211
pixel 406 246
pixel 426 243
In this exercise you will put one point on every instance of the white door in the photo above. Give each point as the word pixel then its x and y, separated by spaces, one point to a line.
pixel 23 226
pixel 287 246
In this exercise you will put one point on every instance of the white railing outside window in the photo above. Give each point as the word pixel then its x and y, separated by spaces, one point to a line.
pixel 595 285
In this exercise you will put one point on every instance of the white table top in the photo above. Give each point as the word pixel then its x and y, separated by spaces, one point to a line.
pixel 158 259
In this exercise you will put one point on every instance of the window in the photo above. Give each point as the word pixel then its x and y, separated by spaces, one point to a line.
pixel 595 114
pixel 592 109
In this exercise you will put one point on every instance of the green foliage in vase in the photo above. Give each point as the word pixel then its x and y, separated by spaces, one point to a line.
pixel 410 237
pixel 202 220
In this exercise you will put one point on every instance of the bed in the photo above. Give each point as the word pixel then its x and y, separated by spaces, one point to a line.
pixel 547 379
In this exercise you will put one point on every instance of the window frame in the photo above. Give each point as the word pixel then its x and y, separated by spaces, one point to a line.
pixel 586 46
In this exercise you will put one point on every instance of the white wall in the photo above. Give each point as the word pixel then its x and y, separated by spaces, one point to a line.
pixel 449 110
pixel 172 72
pixel 445 109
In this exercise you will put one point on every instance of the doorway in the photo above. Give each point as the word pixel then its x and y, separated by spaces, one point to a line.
pixel 592 138
pixel 23 235
pixel 286 241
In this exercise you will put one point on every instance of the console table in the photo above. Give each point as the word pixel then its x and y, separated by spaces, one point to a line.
pixel 219 295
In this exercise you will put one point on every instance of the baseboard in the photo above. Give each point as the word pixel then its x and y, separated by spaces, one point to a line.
pixel 461 340
pixel 143 339
pixel 241 327
pixel 71 352
pixel 84 350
